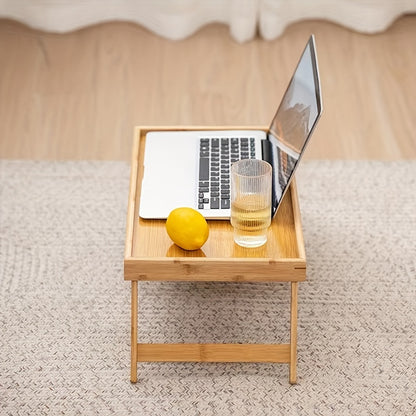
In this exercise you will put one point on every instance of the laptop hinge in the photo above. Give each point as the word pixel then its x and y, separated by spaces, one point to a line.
pixel 266 150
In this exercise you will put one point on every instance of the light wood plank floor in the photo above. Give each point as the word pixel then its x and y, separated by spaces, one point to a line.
pixel 79 95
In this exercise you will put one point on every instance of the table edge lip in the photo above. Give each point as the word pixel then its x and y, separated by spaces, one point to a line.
pixel 181 260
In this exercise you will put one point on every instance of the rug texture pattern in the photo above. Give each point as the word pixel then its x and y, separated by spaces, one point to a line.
pixel 64 306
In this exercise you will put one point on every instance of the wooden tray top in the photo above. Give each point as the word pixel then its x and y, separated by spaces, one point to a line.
pixel 151 255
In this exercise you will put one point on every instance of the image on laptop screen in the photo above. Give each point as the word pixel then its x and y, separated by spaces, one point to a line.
pixel 295 120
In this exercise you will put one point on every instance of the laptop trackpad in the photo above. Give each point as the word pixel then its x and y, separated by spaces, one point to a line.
pixel 170 173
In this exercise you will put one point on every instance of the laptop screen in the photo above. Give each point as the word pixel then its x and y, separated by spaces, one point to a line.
pixel 294 121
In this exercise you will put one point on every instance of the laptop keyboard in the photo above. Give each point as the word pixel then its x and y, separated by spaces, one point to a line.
pixel 215 158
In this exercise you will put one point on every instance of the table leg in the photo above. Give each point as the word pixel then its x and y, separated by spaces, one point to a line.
pixel 133 374
pixel 293 331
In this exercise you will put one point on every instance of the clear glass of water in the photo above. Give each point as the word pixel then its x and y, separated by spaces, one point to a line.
pixel 251 196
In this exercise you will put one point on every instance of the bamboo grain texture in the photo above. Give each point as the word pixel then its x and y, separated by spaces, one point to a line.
pixel 271 353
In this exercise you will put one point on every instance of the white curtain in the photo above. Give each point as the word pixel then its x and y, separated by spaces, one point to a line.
pixel 177 19
pixel 368 16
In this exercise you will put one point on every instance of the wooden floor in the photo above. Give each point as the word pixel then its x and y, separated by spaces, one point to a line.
pixel 79 95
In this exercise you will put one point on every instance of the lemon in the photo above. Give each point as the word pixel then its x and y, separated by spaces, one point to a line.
pixel 187 228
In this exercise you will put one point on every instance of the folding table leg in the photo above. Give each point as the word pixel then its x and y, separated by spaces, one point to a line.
pixel 133 374
pixel 293 331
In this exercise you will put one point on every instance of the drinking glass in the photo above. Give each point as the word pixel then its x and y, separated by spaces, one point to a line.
pixel 251 197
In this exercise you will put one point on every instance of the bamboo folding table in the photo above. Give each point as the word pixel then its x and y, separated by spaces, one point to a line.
pixel 151 256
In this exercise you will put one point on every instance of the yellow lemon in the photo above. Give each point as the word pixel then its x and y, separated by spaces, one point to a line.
pixel 187 228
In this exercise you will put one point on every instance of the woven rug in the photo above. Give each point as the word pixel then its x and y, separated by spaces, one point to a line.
pixel 64 307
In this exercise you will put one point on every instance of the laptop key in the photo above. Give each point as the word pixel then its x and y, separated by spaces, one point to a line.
pixel 203 169
pixel 215 203
pixel 225 203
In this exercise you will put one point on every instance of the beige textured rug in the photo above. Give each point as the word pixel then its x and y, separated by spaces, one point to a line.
pixel 64 307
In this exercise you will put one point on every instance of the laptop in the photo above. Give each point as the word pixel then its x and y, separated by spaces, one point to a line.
pixel 192 168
